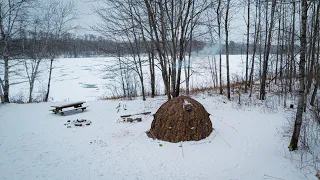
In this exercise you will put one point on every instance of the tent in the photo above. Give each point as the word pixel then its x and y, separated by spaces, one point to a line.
pixel 181 119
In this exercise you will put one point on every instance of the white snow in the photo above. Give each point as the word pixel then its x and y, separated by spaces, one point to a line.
pixel 185 103
pixel 245 144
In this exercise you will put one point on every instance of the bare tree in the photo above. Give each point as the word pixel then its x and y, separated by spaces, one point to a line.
pixel 316 35
pixel 39 37
pixel 60 16
pixel 313 47
pixel 10 10
pixel 256 37
pixel 156 17
pixel 292 46
pixel 187 64
pixel 124 20
pixel 173 26
pixel 301 96
pixel 266 59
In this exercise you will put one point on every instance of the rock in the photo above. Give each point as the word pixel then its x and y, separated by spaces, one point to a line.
pixel 81 120
pixel 138 119
pixel 318 175
pixel 77 124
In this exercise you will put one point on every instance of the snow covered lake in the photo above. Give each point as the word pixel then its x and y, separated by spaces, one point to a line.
pixel 76 79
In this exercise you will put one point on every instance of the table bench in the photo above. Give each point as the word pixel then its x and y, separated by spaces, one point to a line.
pixel 76 106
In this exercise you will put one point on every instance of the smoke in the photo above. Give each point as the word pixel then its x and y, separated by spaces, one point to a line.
pixel 210 49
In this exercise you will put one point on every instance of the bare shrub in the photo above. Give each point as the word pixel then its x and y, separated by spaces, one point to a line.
pixel 18 98
pixel 309 140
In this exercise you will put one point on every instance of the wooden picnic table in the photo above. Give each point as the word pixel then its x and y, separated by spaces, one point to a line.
pixel 75 105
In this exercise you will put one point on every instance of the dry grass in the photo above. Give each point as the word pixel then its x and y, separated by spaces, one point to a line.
pixel 116 98
pixel 193 91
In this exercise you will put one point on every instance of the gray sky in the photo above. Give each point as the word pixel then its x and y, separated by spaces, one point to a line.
pixel 87 18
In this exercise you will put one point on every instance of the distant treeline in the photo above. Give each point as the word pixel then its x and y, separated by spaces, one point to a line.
pixel 72 46
pixel 89 45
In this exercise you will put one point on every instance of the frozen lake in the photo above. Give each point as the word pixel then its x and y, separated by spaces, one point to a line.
pixel 76 79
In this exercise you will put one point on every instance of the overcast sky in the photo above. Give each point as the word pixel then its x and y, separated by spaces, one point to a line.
pixel 88 18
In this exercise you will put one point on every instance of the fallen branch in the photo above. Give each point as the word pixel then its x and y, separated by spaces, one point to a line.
pixel 144 113
pixel 272 177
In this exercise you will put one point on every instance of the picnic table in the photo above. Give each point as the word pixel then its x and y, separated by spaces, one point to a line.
pixel 76 106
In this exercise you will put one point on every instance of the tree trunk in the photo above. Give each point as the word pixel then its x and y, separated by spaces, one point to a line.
pixel 30 91
pixel 1 90
pixel 309 63
pixel 278 44
pixel 256 34
pixel 6 79
pixel 303 42
pixel 314 93
pixel 265 64
pixel 260 43
pixel 318 66
pixel 183 39
pixel 187 75
pixel 215 71
pixel 282 49
pixel 152 74
pixel 150 50
pixel 248 40
pixel 220 46
pixel 142 88
pixel 292 46
pixel 313 46
pixel 227 49
pixel 49 81
pixel 34 73
pixel 187 69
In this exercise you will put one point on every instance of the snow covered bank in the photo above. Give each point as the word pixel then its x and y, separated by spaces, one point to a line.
pixel 246 144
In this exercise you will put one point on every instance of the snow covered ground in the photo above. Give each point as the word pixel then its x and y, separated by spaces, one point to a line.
pixel 245 145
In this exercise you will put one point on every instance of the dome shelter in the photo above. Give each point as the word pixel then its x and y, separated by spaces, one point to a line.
pixel 181 119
